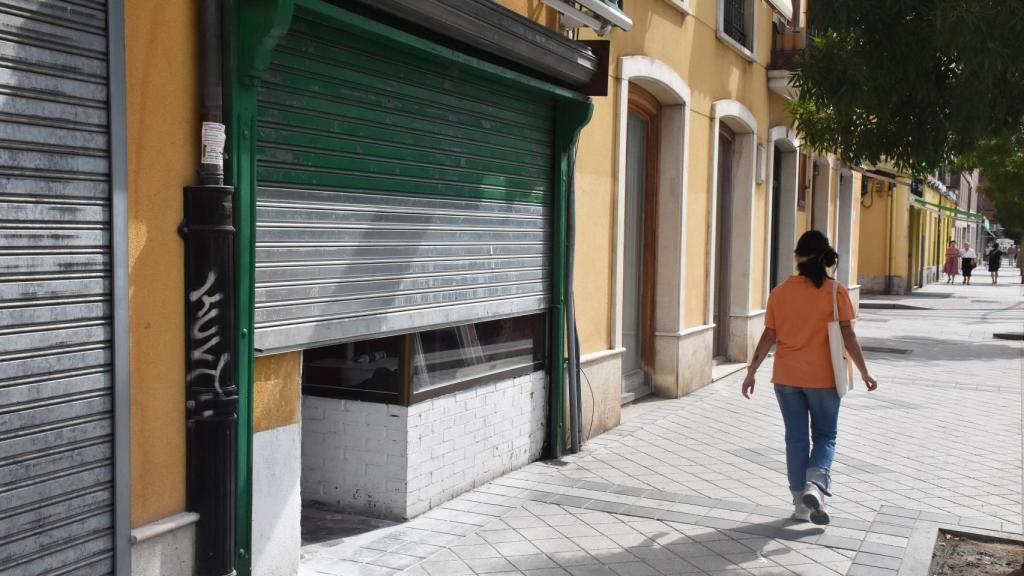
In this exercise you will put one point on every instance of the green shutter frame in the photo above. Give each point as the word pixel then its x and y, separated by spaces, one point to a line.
pixel 494 123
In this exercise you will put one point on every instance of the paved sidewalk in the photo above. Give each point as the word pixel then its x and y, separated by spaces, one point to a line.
pixel 697 485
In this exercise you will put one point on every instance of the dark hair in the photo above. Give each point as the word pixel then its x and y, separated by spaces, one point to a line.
pixel 815 257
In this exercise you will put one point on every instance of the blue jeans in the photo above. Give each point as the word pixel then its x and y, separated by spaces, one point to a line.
pixel 809 452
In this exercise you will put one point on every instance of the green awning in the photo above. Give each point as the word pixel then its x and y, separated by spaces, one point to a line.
pixel 951 210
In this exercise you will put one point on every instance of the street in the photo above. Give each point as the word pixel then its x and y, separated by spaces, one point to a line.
pixel 697 485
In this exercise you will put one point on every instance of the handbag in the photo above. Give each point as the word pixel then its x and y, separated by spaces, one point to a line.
pixel 842 368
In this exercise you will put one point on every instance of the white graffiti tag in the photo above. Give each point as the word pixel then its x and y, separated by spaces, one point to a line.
pixel 205 332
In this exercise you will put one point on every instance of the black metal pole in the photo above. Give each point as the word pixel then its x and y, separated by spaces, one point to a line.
pixel 212 393
pixel 211 389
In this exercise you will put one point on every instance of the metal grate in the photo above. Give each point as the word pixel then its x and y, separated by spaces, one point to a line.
pixel 735 20
pixel 884 350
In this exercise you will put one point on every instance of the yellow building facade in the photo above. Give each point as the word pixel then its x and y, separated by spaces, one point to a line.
pixel 906 226
pixel 733 191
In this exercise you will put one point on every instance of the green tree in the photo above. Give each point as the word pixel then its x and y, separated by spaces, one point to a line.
pixel 1001 161
pixel 920 83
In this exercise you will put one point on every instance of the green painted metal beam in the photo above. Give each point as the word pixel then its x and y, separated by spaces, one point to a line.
pixel 252 29
pixel 570 118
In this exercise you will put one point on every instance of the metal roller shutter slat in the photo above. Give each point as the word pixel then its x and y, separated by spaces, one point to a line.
pixel 55 316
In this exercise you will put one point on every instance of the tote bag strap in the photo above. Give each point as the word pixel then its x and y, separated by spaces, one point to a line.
pixel 835 302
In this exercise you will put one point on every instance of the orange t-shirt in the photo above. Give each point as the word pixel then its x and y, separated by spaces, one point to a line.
pixel 799 313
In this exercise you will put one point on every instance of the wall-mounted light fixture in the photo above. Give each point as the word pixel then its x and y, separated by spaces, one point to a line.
pixel 761 169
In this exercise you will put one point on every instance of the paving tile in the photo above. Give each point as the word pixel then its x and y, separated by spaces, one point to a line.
pixel 838 542
pixel 862 570
pixel 496 536
pixel 690 550
pixel 595 570
pixel 546 572
pixel 447 568
pixel 883 549
pixel 509 549
pixel 894 520
pixel 653 553
pixel 725 547
pixel 572 558
pixel 545 532
pixel 396 561
pixel 903 531
pixel 877 560
pixel 816 570
pixel 418 549
pixel 887 539
pixel 489 565
pixel 771 571
pixel 822 555
pixel 532 562
pixel 634 569
pixel 549 546
pixel 897 511
pixel 710 563
pixel 596 542
pixel 613 555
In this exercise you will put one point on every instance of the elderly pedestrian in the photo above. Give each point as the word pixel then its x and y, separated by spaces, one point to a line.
pixel 949 268
pixel 995 261
pixel 968 258
pixel 796 323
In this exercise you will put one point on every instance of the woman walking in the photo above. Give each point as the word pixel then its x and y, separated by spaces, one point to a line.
pixel 967 261
pixel 796 322
pixel 950 266
pixel 995 260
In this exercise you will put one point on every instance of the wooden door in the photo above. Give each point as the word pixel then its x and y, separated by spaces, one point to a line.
pixel 723 243
pixel 642 151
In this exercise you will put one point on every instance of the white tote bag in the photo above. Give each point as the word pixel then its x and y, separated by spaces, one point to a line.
pixel 841 366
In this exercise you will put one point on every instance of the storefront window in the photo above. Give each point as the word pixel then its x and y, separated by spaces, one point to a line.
pixel 370 370
pixel 450 355
pixel 413 367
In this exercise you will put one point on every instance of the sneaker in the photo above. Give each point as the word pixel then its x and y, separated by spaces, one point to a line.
pixel 814 500
pixel 801 513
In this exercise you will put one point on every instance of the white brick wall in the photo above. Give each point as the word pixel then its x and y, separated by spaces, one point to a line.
pixel 399 462
pixel 354 455
pixel 460 441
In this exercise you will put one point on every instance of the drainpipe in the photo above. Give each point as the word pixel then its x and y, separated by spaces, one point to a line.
pixel 211 392
pixel 889 241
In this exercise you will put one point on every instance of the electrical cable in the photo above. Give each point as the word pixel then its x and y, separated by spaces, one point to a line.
pixel 593 404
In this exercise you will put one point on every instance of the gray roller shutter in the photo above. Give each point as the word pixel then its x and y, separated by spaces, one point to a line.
pixel 394 193
pixel 56 415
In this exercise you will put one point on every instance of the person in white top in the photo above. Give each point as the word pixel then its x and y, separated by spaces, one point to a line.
pixel 968 260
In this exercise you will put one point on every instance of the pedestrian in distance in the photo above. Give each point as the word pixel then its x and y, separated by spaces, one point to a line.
pixel 1011 254
pixel 995 260
pixel 967 262
pixel 949 268
pixel 796 323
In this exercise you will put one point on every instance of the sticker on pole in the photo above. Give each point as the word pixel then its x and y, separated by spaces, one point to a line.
pixel 213 138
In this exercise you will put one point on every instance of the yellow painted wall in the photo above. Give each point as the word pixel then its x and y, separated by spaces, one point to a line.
pixel 872 246
pixel 697 226
pixel 802 223
pixel 760 256
pixel 901 231
pixel 595 216
pixel 276 392
pixel 162 153
pixel 855 241
pixel 534 10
